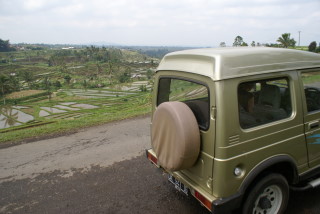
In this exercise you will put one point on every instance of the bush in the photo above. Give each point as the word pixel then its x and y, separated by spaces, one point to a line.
pixel 143 88
pixel 313 46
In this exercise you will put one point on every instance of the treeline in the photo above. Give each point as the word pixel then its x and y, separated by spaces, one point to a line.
pixel 102 55
pixel 156 52
pixel 284 41
pixel 5 46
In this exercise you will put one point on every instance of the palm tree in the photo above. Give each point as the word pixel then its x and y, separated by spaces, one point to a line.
pixel 4 86
pixel 285 40
pixel 28 78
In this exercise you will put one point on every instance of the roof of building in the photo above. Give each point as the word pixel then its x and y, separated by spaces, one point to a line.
pixel 226 63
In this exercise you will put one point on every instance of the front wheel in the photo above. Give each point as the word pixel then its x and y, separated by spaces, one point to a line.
pixel 269 196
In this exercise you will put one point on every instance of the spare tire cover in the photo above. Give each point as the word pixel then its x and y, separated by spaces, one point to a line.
pixel 175 136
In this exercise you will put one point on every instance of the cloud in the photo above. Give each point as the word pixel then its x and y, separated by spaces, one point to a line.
pixel 157 22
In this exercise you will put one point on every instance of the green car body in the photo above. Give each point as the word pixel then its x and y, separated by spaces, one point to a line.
pixel 239 147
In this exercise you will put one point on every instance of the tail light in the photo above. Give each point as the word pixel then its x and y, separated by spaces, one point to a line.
pixel 203 200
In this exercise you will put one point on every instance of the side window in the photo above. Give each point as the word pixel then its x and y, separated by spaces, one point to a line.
pixel 264 101
pixel 193 94
pixel 311 83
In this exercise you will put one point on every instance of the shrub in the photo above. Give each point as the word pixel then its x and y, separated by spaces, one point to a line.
pixel 313 46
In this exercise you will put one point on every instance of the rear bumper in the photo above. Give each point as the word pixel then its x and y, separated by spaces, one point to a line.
pixel 213 204
pixel 227 205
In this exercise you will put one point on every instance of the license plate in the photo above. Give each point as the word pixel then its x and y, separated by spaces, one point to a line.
pixel 178 185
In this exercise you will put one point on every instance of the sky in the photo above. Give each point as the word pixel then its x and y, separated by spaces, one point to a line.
pixel 200 23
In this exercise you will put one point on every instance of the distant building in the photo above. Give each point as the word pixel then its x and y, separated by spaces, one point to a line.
pixel 67 48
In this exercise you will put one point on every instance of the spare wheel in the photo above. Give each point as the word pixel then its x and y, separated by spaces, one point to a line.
pixel 175 136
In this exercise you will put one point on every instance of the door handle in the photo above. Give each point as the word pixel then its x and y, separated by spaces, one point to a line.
pixel 313 125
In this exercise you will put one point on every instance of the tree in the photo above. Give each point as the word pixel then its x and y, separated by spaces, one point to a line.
pixel 5 46
pixel 313 46
pixel 57 84
pixel 223 44
pixel 67 78
pixel 150 74
pixel 47 85
pixel 286 41
pixel 85 84
pixel 253 43
pixel 125 76
pixel 4 85
pixel 238 41
pixel 14 82
pixel 244 44
pixel 28 77
pixel 99 68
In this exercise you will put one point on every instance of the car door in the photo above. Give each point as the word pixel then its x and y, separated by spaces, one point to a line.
pixel 311 96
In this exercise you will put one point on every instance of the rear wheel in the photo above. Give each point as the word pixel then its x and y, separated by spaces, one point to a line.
pixel 269 196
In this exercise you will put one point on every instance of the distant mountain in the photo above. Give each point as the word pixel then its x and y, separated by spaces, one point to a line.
pixel 101 44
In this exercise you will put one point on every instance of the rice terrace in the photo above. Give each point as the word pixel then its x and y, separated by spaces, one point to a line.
pixel 48 89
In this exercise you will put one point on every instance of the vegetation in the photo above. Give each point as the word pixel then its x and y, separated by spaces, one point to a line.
pixel 313 47
pixel 238 41
pixel 5 46
pixel 285 40
pixel 4 85
pixel 37 79
pixel 88 67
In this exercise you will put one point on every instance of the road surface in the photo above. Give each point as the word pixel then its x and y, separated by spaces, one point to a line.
pixel 100 169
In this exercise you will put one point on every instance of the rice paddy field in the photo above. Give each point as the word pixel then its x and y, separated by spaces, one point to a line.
pixel 70 109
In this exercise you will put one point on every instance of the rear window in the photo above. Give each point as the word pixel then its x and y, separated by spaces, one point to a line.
pixel 194 94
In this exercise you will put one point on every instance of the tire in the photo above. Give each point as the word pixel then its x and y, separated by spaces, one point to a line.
pixel 175 136
pixel 269 196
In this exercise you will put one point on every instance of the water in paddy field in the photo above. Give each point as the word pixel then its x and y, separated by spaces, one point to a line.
pixel 13 116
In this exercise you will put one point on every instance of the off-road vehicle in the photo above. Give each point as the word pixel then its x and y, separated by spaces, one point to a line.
pixel 238 127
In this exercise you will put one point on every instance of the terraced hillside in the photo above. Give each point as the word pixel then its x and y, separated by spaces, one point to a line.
pixel 52 91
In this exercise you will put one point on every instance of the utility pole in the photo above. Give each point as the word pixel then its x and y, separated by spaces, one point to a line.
pixel 299 37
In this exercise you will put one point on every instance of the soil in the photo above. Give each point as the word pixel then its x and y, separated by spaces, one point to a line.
pixel 100 169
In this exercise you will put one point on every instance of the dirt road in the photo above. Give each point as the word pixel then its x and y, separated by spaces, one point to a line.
pixel 95 146
pixel 99 170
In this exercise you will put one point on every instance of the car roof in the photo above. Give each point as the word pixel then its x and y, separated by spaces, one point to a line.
pixel 226 63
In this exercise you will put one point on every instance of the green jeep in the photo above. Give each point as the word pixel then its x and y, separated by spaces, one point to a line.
pixel 238 127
